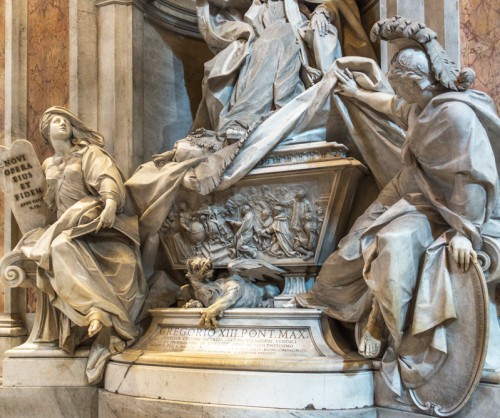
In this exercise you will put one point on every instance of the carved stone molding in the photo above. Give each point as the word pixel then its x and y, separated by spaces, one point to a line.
pixel 178 16
pixel 137 3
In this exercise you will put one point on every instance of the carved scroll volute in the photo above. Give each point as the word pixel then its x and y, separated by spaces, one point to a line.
pixel 16 271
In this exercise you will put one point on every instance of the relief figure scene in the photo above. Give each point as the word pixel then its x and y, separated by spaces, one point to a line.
pixel 321 215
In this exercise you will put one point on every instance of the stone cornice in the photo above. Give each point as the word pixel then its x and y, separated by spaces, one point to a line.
pixel 140 4
pixel 177 16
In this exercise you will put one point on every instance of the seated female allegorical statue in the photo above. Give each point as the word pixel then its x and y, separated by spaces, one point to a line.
pixel 88 260
pixel 392 265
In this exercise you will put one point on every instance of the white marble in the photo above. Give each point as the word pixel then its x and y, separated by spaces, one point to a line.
pixel 15 119
pixel 45 402
pixel 112 405
pixel 278 358
pixel 167 111
pixel 484 402
pixel 265 339
pixel 442 16
pixel 6 343
pixel 28 365
pixel 120 104
pixel 23 183
pixel 83 60
pixel 243 388
pixel 44 372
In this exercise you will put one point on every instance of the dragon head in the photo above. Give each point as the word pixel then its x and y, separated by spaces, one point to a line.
pixel 199 269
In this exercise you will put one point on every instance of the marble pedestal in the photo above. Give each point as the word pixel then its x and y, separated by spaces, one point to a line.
pixel 258 358
pixel 6 343
pixel 40 380
pixel 484 402
pixel 43 365
pixel 118 406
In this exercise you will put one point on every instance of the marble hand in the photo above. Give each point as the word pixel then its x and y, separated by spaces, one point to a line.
pixel 462 251
pixel 161 159
pixel 319 22
pixel 108 215
pixel 311 75
pixel 94 327
pixel 346 82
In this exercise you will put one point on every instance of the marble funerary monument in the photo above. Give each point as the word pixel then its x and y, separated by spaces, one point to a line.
pixel 321 239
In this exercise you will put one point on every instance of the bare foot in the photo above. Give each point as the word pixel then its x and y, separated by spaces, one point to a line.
pixel 94 327
pixel 116 344
pixel 369 346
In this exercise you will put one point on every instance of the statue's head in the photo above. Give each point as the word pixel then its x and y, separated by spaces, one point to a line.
pixel 199 269
pixel 300 194
pixel 245 209
pixel 410 73
pixel 58 123
pixel 421 61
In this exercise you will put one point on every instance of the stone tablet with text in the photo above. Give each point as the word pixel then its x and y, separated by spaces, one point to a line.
pixel 22 180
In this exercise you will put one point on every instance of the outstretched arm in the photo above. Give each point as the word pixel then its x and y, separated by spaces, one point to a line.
pixel 382 102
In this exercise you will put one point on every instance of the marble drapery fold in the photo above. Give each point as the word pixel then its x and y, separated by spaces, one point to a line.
pixel 448 183
pixel 153 189
pixel 87 275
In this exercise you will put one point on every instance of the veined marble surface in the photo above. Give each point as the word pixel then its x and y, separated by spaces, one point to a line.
pixel 480 43
pixel 54 402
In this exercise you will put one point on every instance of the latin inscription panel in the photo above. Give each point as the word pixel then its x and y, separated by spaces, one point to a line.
pixel 272 342
pixel 23 182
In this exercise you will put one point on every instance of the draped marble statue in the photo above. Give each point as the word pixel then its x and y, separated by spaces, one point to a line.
pixel 392 266
pixel 267 53
pixel 88 259
pixel 269 83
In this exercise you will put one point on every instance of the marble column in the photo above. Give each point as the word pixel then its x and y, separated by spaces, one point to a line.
pixel 12 329
pixel 83 70
pixel 441 15
pixel 120 97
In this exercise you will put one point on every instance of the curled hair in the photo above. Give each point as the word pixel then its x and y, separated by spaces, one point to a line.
pixel 199 267
pixel 404 31
pixel 413 64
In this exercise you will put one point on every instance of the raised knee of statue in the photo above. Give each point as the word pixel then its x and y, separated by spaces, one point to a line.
pixel 60 244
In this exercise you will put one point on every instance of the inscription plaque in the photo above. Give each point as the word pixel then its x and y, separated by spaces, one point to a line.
pixel 23 182
pixel 273 342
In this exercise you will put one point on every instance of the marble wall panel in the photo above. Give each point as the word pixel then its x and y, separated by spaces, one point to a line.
pixel 173 71
pixel 48 63
pixel 2 123
pixel 48 72
pixel 480 40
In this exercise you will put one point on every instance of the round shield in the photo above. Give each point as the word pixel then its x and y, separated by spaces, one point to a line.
pixel 451 386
